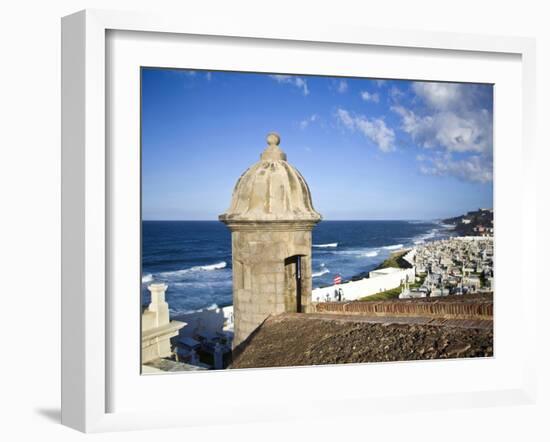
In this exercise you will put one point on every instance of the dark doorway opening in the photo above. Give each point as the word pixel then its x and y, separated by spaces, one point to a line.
pixel 293 265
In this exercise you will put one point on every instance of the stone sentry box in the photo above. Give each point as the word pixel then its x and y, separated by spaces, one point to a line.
pixel 270 217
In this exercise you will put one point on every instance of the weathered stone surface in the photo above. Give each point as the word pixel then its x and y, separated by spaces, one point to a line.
pixel 271 216
pixel 271 190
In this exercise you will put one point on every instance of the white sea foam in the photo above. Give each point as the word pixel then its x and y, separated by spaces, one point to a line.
pixel 146 278
pixel 217 266
pixel 359 252
pixel 324 271
pixel 394 247
pixel 433 233
pixel 349 252
pixel 199 310
pixel 206 268
pixel 370 254
pixel 321 246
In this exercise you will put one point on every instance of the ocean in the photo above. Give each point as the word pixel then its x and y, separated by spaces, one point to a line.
pixel 194 257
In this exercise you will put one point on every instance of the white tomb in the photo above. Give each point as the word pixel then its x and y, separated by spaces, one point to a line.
pixel 156 327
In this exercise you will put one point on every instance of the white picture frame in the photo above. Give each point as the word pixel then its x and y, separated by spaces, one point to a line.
pixel 86 206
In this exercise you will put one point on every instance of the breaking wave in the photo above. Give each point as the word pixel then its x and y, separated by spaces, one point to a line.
pixel 322 272
pixel 321 246
pixel 184 312
pixel 217 266
pixel 371 254
pixel 146 278
pixel 206 268
pixel 394 247
pixel 432 234
pixel 361 252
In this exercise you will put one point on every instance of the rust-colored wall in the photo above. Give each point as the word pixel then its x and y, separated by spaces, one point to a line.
pixel 457 310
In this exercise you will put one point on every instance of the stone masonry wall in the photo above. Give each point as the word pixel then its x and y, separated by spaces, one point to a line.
pixel 261 283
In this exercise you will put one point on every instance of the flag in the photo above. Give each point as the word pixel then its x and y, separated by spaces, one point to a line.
pixel 337 279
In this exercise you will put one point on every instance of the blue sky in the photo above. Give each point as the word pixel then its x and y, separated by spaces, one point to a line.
pixel 369 149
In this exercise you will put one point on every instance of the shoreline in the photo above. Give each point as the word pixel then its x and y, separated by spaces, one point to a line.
pixel 434 229
pixel 223 313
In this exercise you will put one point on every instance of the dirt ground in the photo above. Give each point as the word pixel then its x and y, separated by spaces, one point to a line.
pixel 285 340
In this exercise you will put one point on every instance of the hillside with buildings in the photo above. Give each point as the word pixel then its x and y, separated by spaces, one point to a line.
pixel 475 223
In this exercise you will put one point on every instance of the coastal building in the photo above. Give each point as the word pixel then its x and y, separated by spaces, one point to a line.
pixel 156 327
pixel 270 217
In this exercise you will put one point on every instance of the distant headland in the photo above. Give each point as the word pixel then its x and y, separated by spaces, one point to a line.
pixel 474 223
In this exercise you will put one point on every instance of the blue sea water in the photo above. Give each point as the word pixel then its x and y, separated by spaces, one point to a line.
pixel 194 257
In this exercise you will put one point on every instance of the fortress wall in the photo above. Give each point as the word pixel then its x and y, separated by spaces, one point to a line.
pixel 447 310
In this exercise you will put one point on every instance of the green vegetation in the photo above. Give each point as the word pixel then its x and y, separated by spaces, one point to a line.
pixel 382 296
pixel 395 260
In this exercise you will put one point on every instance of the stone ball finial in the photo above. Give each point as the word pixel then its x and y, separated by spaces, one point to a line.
pixel 271 190
pixel 273 138
pixel 273 152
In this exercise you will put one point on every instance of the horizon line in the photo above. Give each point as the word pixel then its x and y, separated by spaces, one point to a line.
pixel 358 219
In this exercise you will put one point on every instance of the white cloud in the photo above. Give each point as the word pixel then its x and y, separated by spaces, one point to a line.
pixel 474 168
pixel 450 120
pixel 380 83
pixel 298 82
pixel 367 96
pixel 441 95
pixel 396 94
pixel 209 76
pixel 345 118
pixel 374 129
pixel 342 86
pixel 306 122
pixel 467 132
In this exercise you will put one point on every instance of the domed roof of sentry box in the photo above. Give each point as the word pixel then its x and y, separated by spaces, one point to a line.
pixel 271 190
